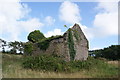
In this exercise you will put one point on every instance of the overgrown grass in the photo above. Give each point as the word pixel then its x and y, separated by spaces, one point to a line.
pixel 12 68
pixel 103 69
pixel 100 68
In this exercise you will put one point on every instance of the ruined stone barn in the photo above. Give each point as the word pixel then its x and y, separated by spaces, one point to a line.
pixel 72 45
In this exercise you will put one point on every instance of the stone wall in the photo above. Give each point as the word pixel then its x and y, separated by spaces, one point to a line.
pixel 81 44
pixel 60 46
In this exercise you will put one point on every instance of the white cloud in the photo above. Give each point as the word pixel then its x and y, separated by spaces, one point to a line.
pixel 11 23
pixel 106 0
pixel 31 24
pixel 49 20
pixel 69 12
pixel 54 33
pixel 95 48
pixel 106 20
pixel 86 30
pixel 107 6
pixel 105 23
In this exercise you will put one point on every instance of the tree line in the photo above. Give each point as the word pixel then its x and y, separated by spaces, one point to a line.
pixel 12 47
pixel 20 47
pixel 111 53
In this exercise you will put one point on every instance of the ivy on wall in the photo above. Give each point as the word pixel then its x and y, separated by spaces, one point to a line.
pixel 77 36
pixel 44 43
pixel 72 51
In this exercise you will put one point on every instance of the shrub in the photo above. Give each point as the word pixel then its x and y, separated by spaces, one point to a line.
pixel 28 48
pixel 44 62
pixel 35 36
pixel 55 63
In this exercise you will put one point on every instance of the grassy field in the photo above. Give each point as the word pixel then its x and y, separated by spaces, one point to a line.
pixel 12 68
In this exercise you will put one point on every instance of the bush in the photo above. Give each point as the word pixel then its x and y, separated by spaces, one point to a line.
pixel 28 48
pixel 35 36
pixel 55 63
pixel 44 62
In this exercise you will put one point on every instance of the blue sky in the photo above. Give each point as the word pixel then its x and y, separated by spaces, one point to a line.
pixel 43 9
pixel 98 20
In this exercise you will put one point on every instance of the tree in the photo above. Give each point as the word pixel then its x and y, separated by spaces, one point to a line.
pixel 20 47
pixel 35 36
pixel 112 52
pixel 16 46
pixel 3 44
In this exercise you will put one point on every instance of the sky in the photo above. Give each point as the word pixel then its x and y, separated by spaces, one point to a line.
pixel 98 20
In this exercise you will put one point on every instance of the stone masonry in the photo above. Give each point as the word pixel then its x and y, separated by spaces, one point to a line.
pixel 61 45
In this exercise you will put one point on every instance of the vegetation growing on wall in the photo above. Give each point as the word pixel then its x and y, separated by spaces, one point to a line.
pixel 35 36
pixel 44 43
pixel 72 51
pixel 76 35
